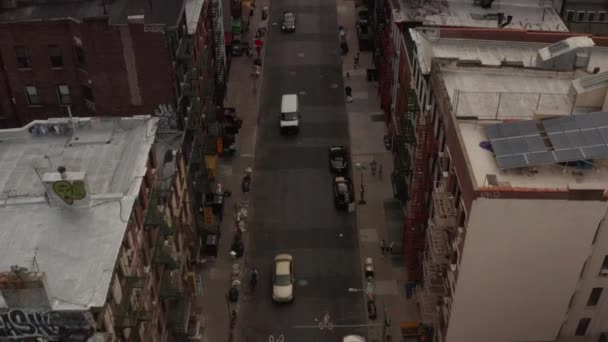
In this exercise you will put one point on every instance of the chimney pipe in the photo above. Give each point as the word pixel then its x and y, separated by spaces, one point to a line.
pixel 61 171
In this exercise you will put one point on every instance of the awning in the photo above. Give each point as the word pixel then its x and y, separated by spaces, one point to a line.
pixel 237 24
pixel 228 38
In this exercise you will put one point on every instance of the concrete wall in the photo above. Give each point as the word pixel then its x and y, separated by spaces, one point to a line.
pixel 519 268
pixel 591 278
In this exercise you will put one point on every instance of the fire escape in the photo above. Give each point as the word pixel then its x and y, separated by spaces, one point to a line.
pixel 386 72
pixel 219 49
pixel 434 295
pixel 423 148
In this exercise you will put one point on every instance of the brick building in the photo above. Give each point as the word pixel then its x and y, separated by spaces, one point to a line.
pixel 111 57
pixel 489 76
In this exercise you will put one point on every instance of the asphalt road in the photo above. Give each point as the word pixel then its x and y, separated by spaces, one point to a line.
pixel 291 196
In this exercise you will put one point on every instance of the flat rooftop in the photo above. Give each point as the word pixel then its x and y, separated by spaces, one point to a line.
pixel 155 12
pixel 193 10
pixel 488 52
pixel 507 93
pixel 523 94
pixel 529 15
pixel 75 245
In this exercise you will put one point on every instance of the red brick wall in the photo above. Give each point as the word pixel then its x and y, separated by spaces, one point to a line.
pixel 106 69
pixel 458 155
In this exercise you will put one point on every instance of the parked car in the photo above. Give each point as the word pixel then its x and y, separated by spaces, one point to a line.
pixel 343 192
pixel 283 279
pixel 338 159
pixel 353 338
pixel 289 22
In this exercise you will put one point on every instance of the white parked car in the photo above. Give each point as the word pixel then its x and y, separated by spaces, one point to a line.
pixel 282 278
pixel 353 338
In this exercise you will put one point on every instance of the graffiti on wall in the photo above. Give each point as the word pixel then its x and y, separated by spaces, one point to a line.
pixel 167 118
pixel 21 324
pixel 70 191
pixel 17 324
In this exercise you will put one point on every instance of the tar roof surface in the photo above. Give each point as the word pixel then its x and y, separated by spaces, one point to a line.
pixel 526 14
pixel 154 11
pixel 76 247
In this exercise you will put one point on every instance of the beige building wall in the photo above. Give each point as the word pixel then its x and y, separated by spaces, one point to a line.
pixel 591 278
pixel 521 263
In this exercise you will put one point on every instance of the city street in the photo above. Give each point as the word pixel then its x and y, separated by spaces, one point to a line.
pixel 291 195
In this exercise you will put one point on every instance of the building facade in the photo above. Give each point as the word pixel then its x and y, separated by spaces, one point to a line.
pixel 95 60
pixel 587 16
pixel 441 155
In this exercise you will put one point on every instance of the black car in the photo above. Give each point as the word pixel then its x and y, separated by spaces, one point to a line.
pixel 238 48
pixel 289 22
pixel 338 159
pixel 343 193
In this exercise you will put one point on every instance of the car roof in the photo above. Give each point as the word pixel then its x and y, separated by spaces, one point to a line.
pixel 337 148
pixel 283 267
pixel 340 179
pixel 353 338
pixel 284 256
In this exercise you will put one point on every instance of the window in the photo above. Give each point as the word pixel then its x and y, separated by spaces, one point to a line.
pixel 81 60
pixel 55 56
pixel 32 96
pixel 23 58
pixel 87 93
pixel 595 295
pixel 63 92
pixel 580 16
pixel 604 269
pixel 581 328
pixel 590 16
pixel 601 17
pixel 570 16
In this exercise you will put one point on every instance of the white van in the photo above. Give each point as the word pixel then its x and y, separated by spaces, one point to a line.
pixel 290 117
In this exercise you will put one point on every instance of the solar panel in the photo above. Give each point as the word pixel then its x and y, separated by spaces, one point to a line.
pixel 600 151
pixel 511 161
pixel 572 138
pixel 539 158
pixel 568 155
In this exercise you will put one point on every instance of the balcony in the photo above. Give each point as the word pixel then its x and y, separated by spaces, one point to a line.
pixel 171 286
pixel 186 89
pixel 155 214
pixel 444 205
pixel 184 49
pixel 164 254
pixel 131 311
pixel 437 244
pixel 179 315
pixel 428 304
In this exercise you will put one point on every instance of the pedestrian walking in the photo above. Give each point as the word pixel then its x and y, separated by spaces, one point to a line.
pixel 380 171
pixel 383 246
pixel 356 61
pixel 390 247
pixel 373 166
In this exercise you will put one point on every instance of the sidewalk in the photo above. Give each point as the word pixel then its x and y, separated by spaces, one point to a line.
pixel 217 275
pixel 381 217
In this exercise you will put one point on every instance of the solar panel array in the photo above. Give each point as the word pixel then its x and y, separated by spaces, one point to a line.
pixel 571 138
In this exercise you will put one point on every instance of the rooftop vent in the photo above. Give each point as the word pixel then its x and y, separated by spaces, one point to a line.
pixel 66 189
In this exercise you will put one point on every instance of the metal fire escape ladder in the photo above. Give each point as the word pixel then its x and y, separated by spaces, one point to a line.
pixel 217 42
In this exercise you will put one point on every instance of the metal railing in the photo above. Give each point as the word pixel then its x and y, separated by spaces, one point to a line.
pixel 509 105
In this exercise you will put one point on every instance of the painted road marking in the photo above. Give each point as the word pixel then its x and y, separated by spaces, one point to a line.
pixel 279 338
